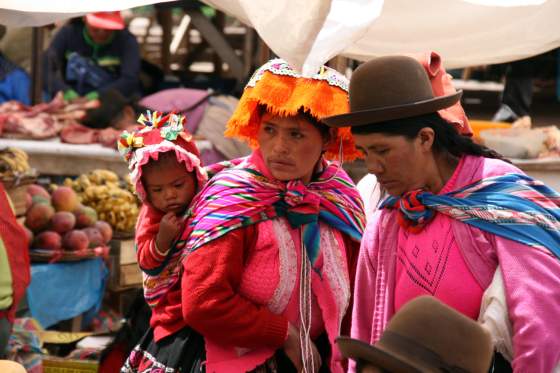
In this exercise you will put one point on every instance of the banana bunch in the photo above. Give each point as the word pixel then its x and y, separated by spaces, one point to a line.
pixel 13 163
pixel 103 191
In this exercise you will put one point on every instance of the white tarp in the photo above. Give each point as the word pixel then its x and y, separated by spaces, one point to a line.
pixel 23 13
pixel 307 33
pixel 463 32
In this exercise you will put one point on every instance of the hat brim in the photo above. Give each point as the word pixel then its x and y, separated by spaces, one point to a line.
pixel 111 22
pixel 358 350
pixel 365 117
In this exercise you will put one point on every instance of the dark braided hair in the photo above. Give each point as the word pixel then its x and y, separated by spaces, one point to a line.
pixel 446 138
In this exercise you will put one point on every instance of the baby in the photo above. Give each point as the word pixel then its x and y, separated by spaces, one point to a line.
pixel 166 170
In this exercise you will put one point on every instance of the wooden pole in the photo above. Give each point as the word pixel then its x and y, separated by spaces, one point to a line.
pixel 37 41
pixel 264 53
pixel 219 22
pixel 248 50
pixel 165 19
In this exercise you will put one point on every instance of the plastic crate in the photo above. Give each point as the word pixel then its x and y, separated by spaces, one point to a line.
pixel 58 365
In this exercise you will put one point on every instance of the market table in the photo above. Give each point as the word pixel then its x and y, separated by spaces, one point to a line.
pixel 52 157
pixel 546 170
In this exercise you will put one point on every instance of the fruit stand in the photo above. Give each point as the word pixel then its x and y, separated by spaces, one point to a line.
pixel 80 233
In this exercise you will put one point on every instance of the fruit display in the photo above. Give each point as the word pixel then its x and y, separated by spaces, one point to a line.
pixel 108 196
pixel 14 163
pixel 59 222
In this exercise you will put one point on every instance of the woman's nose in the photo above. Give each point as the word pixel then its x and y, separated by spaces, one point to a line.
pixel 281 145
pixel 374 166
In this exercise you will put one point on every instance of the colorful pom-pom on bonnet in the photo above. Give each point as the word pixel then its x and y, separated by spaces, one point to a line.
pixel 160 134
pixel 285 92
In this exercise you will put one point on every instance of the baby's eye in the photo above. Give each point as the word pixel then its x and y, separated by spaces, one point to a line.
pixel 156 190
pixel 178 185
pixel 296 135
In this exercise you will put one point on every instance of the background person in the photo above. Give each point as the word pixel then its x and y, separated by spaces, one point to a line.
pixel 14 267
pixel 91 55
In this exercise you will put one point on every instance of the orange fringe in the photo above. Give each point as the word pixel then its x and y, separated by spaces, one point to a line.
pixel 285 96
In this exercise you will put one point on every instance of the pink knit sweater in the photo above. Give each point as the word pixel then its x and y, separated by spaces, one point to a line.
pixel 430 263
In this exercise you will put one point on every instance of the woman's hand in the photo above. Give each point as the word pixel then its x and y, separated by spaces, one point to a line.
pixel 292 349
pixel 169 228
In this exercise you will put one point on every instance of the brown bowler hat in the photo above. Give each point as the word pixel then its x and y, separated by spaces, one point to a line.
pixel 426 336
pixel 389 88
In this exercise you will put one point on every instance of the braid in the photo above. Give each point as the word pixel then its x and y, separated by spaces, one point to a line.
pixel 446 139
pixel 449 140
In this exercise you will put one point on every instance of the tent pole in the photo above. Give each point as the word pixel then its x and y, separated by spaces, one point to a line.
pixel 36 65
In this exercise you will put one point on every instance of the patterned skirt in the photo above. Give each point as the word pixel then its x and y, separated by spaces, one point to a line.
pixel 182 352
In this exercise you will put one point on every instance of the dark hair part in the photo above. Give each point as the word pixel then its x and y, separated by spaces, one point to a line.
pixel 446 138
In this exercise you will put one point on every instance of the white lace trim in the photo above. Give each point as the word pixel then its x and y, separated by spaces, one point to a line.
pixel 336 274
pixel 288 267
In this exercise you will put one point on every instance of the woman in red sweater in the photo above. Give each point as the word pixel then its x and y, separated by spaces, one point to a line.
pixel 268 276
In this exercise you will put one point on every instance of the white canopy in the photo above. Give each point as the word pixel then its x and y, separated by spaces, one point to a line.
pixel 23 13
pixel 307 33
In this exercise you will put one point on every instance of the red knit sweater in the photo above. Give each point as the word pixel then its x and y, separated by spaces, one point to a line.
pixel 146 233
pixel 206 298
pixel 212 306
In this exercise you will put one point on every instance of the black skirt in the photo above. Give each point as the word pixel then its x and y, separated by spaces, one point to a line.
pixel 281 363
pixel 180 352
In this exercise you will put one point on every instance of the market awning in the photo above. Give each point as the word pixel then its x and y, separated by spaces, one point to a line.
pixel 24 13
pixel 308 33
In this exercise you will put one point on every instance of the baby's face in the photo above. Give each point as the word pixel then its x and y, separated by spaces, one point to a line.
pixel 170 188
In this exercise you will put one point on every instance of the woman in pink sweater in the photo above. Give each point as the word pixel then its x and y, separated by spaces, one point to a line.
pixel 455 212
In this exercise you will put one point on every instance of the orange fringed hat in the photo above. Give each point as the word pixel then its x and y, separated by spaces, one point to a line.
pixel 284 92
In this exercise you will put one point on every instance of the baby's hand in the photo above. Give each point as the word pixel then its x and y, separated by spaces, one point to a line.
pixel 169 228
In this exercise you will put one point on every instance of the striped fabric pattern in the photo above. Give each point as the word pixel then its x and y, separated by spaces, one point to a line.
pixel 513 206
pixel 241 195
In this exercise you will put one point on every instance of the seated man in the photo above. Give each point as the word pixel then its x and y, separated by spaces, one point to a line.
pixel 14 81
pixel 92 55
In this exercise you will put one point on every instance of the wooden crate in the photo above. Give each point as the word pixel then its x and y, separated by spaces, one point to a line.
pixel 124 270
pixel 120 300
